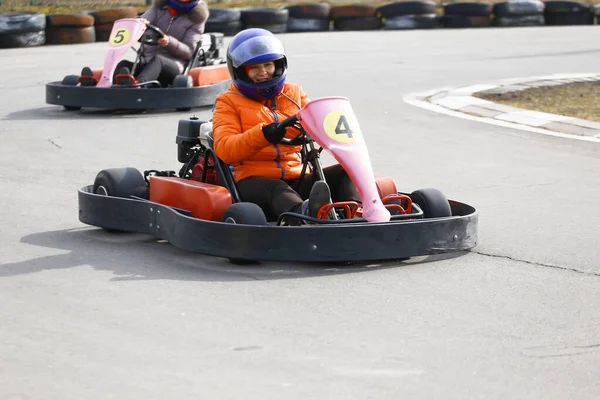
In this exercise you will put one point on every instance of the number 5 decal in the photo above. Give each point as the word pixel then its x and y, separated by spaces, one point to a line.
pixel 119 37
pixel 339 127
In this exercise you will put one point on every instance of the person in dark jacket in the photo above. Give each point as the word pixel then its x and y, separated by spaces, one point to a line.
pixel 183 22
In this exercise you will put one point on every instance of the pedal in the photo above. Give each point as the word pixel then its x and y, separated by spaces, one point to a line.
pixel 125 80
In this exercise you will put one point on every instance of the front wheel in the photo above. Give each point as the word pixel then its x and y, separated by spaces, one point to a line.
pixel 433 203
pixel 244 214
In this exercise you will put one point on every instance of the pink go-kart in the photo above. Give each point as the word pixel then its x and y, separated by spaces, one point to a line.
pixel 204 77
pixel 199 208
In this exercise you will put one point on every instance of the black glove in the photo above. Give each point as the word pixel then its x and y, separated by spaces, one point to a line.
pixel 273 133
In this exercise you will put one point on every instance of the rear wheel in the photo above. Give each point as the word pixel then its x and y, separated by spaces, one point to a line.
pixel 183 81
pixel 120 182
pixel 433 203
pixel 244 214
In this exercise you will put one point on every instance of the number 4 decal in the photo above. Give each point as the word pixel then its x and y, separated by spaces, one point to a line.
pixel 342 127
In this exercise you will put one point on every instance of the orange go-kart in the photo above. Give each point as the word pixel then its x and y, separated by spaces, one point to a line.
pixel 199 208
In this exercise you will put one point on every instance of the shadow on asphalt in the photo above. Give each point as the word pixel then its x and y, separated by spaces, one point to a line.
pixel 59 113
pixel 132 256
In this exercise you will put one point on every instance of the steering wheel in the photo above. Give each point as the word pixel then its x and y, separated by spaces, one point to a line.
pixel 152 39
pixel 291 122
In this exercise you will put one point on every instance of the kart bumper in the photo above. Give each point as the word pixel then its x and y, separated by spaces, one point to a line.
pixel 312 243
pixel 116 98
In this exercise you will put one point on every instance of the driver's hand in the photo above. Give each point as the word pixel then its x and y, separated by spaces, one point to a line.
pixel 273 133
pixel 163 41
pixel 144 20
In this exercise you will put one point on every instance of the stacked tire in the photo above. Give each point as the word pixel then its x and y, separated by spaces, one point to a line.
pixel 308 17
pixel 224 20
pixel 409 15
pixel 519 13
pixel 70 29
pixel 22 29
pixel 466 15
pixel 105 19
pixel 355 17
pixel 272 19
pixel 567 13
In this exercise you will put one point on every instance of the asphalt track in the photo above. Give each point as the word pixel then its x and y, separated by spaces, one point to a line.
pixel 86 314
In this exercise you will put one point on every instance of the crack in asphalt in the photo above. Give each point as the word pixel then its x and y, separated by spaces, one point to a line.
pixel 54 143
pixel 561 267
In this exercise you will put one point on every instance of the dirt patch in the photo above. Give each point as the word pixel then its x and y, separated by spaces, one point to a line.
pixel 578 99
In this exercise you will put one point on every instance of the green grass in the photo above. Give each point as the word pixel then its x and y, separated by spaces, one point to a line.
pixel 70 6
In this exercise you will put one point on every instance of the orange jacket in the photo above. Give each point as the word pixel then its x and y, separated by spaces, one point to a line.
pixel 239 141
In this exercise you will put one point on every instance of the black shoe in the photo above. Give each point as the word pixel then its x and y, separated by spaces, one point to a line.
pixel 87 77
pixel 124 77
pixel 319 196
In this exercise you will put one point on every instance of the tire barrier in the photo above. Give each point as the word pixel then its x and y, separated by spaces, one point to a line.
pixel 269 18
pixel 22 29
pixel 418 21
pixel 70 35
pixel 518 13
pixel 567 13
pixel 28 29
pixel 309 18
pixel 104 20
pixel 355 17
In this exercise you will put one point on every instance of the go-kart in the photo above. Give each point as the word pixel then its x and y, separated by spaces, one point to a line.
pixel 199 208
pixel 204 77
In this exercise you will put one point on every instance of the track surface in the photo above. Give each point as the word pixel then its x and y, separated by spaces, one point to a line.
pixel 86 314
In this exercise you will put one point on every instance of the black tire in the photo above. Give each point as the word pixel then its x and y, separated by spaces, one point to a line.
pixel 183 81
pixel 398 9
pixel 309 11
pixel 261 16
pixel 468 9
pixel 121 182
pixel 71 80
pixel 20 22
pixel 465 21
pixel 244 214
pixel 273 28
pixel 22 39
pixel 64 35
pixel 423 21
pixel 522 20
pixel 224 15
pixel 226 28
pixel 308 25
pixel 585 17
pixel 565 7
pixel 433 203
pixel 357 24
pixel 75 20
pixel 102 17
pixel 518 8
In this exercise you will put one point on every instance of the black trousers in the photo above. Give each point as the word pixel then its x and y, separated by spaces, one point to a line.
pixel 278 196
pixel 160 68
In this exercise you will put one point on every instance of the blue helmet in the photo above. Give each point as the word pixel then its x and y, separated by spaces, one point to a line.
pixel 183 6
pixel 255 46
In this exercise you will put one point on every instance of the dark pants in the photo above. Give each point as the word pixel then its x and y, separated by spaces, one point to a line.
pixel 160 68
pixel 278 196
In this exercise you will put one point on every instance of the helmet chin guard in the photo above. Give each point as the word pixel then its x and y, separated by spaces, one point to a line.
pixel 183 6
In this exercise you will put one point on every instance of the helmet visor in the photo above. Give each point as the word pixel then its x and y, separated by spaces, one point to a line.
pixel 256 50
